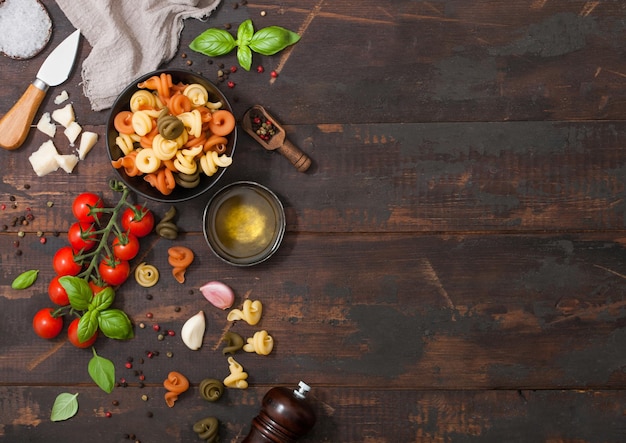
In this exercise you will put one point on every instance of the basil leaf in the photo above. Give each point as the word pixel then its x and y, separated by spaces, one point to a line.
pixel 244 56
pixel 245 33
pixel 103 299
pixel 25 279
pixel 87 325
pixel 102 372
pixel 78 291
pixel 270 40
pixel 115 324
pixel 213 42
pixel 65 406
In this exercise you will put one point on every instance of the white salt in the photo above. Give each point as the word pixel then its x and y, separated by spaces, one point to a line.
pixel 25 28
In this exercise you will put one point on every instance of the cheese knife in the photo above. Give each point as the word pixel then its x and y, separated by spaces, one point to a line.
pixel 56 68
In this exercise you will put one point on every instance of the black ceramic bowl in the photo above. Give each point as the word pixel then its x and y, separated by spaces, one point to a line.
pixel 244 223
pixel 138 184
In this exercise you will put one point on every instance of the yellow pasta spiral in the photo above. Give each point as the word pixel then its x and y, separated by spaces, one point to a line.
pixel 185 164
pixel 210 161
pixel 251 312
pixel 262 343
pixel 164 149
pixel 192 121
pixel 146 161
pixel 125 143
pixel 237 377
pixel 198 95
pixel 142 99
pixel 141 122
pixel 146 275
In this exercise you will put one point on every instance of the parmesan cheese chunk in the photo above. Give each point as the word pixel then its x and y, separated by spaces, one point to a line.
pixel 67 162
pixel 87 141
pixel 72 131
pixel 64 116
pixel 63 96
pixel 44 160
pixel 46 126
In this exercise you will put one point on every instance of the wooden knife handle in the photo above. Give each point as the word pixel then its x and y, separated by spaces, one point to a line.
pixel 297 158
pixel 15 124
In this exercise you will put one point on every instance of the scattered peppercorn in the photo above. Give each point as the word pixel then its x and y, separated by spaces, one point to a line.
pixel 235 5
pixel 26 186
pixel 189 63
pixel 149 296
pixel 108 414
pixel 170 354
pixel 273 74
pixel 260 69
pixel 49 204
pixel 160 337
pixel 263 13
pixel 128 365
pixel 144 397
pixel 177 309
pixel 233 69
pixel 141 325
pixel 149 315
pixel 183 55
pixel 12 198
pixel 231 84
pixel 42 240
pixel 115 403
pixel 227 25
pixel 149 414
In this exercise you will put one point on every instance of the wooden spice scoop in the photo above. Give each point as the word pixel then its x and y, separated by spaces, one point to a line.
pixel 278 141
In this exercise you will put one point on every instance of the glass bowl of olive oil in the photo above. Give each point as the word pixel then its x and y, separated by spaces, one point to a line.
pixel 244 223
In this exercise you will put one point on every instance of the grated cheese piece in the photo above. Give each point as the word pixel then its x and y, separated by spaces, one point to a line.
pixel 63 96
pixel 64 116
pixel 87 141
pixel 67 162
pixel 46 126
pixel 72 132
pixel 44 160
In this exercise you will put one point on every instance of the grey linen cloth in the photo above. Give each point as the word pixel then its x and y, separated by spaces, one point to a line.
pixel 129 38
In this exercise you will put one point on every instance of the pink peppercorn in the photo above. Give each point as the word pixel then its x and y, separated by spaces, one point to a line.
pixel 42 240
pixel 260 69
pixel 273 74
pixel 171 333
pixel 233 69
pixel 128 365
pixel 231 84
pixel 108 414
pixel 149 315
pixel 156 327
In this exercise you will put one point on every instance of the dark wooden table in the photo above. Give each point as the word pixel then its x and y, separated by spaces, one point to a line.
pixel 454 265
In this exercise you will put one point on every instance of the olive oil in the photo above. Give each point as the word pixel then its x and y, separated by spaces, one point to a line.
pixel 245 223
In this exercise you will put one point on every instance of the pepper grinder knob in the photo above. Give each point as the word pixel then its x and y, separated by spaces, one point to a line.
pixel 285 416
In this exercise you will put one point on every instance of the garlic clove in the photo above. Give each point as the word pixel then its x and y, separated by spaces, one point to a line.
pixel 218 294
pixel 193 331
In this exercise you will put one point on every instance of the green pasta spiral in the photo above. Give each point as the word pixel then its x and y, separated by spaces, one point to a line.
pixel 211 389
pixel 169 126
pixel 234 341
pixel 188 180
pixel 166 228
pixel 207 429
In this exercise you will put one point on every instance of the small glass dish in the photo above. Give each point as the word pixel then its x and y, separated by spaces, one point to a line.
pixel 244 223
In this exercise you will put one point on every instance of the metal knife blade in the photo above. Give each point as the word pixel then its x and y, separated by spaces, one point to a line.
pixel 15 124
pixel 57 66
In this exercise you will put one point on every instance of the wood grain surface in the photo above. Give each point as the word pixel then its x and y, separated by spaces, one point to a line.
pixel 454 265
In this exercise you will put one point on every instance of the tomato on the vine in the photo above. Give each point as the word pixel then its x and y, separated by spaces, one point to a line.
pixel 97 287
pixel 45 325
pixel 82 237
pixel 114 271
pixel 57 293
pixel 64 262
pixel 82 205
pixel 138 221
pixel 125 246
pixel 72 334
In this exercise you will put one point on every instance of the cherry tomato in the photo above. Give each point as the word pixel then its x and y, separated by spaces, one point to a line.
pixel 45 325
pixel 81 236
pixel 72 334
pixel 82 206
pixel 125 246
pixel 138 221
pixel 114 271
pixel 57 293
pixel 97 287
pixel 64 263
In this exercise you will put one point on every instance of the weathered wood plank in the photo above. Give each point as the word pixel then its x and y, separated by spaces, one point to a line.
pixel 462 312
pixel 375 415
pixel 491 177
pixel 485 60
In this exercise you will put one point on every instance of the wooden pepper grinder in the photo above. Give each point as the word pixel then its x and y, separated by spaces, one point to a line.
pixel 285 416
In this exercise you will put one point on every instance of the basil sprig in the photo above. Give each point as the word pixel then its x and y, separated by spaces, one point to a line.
pixel 267 41
pixel 97 313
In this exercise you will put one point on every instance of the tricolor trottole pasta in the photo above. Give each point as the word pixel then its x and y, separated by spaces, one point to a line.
pixel 171 130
